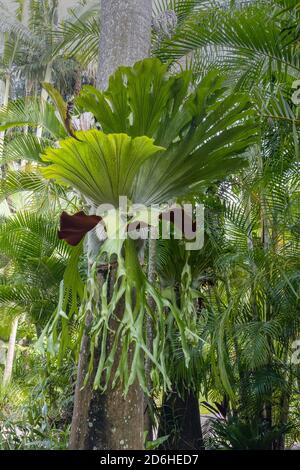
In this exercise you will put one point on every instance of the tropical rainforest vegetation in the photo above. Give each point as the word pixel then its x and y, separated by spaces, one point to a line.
pixel 116 343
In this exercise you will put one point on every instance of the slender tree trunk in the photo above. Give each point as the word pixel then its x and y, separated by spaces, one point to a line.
pixel 44 96
pixel 111 421
pixel 10 352
pixel 266 245
pixel 7 89
pixel 9 202
pixel 5 103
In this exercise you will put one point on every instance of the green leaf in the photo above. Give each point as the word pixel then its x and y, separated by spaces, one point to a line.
pixel 57 100
pixel 205 131
pixel 25 147
pixel 102 167
pixel 29 112
pixel 21 181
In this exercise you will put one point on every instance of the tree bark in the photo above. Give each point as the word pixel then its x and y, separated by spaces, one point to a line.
pixel 110 421
pixel 125 35
pixel 180 420
pixel 83 394
pixel 10 352
pixel 115 422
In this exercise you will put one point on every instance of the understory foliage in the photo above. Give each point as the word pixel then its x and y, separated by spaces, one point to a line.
pixel 212 118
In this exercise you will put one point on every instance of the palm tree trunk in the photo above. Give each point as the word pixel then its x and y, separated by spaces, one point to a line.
pixel 265 241
pixel 4 103
pixel 114 422
pixel 125 35
pixel 44 96
pixel 10 352
pixel 2 141
pixel 111 421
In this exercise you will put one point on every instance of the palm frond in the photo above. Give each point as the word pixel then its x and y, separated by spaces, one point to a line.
pixel 250 38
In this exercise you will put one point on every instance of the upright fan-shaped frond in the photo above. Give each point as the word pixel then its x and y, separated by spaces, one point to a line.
pixel 205 132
